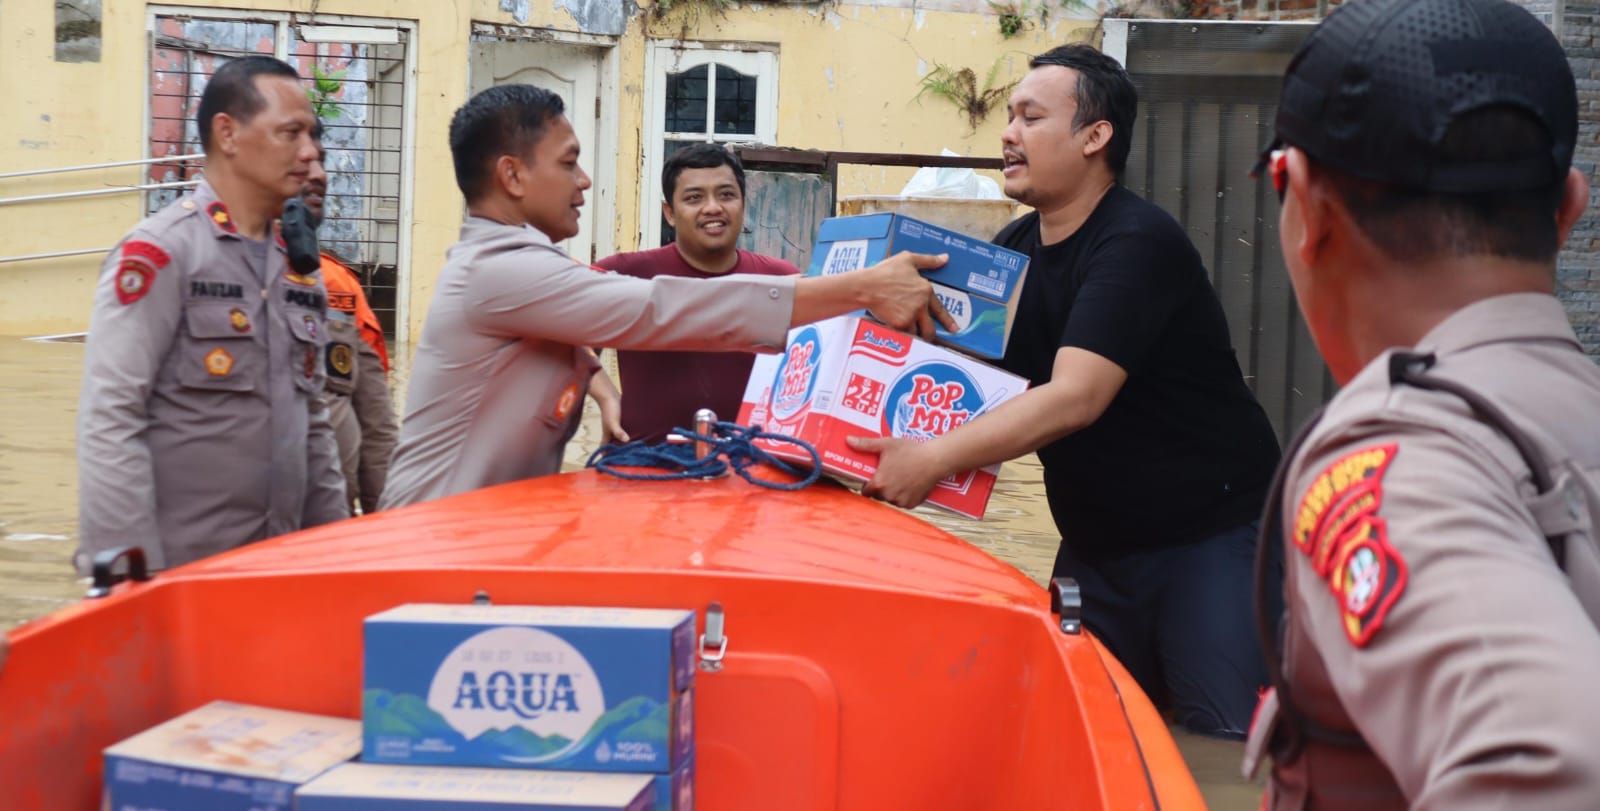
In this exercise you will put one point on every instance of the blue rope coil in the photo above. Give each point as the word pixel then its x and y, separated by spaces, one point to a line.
pixel 732 447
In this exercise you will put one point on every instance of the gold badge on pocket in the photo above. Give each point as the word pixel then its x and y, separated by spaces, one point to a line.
pixel 218 362
pixel 340 359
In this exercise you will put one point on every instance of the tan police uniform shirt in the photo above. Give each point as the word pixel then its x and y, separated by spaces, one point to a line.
pixel 200 426
pixel 1426 611
pixel 358 404
pixel 499 377
pixel 359 409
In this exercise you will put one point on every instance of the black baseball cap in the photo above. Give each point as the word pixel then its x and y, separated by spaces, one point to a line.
pixel 1375 86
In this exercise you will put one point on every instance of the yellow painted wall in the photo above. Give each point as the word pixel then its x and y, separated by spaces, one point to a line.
pixel 848 75
pixel 61 114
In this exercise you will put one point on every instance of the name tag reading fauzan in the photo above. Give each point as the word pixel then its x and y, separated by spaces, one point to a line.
pixel 200 288
pixel 529 686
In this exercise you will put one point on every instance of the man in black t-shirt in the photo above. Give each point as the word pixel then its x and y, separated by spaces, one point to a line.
pixel 1156 455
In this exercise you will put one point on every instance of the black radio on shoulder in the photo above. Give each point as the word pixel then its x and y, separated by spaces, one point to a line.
pixel 300 237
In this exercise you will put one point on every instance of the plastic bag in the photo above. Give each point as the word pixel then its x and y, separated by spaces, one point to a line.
pixel 930 181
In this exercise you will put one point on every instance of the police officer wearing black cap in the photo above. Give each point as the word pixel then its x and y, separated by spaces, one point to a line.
pixel 1441 641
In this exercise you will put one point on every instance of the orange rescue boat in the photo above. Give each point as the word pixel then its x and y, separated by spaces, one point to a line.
pixel 873 661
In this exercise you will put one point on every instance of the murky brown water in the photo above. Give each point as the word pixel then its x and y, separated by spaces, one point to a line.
pixel 39 501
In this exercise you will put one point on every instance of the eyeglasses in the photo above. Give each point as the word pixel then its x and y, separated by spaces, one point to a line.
pixel 1278 167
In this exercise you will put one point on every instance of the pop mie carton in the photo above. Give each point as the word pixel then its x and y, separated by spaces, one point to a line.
pixel 380 787
pixel 850 376
pixel 579 689
pixel 980 284
pixel 225 757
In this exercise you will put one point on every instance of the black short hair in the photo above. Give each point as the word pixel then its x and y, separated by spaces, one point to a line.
pixel 1415 226
pixel 504 120
pixel 1105 93
pixel 232 90
pixel 698 156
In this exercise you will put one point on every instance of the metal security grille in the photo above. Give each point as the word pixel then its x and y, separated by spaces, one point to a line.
pixel 1207 99
pixel 358 89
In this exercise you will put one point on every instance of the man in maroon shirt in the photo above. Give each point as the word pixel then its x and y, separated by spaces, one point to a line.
pixel 703 193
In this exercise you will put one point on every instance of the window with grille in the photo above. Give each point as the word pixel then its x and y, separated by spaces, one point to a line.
pixel 698 94
pixel 356 71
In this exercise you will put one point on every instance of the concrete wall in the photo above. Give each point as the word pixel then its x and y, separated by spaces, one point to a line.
pixel 1579 276
pixel 1577 24
pixel 848 73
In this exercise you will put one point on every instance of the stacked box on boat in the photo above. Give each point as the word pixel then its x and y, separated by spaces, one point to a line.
pixel 675 791
pixel 357 786
pixel 980 285
pixel 225 757
pixel 850 376
pixel 387 787
pixel 574 689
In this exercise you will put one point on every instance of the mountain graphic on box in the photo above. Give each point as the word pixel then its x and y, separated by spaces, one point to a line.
pixel 987 321
pixel 402 715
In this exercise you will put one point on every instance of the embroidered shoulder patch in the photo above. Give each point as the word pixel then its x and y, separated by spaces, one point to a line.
pixel 1367 578
pixel 136 269
pixel 564 403
pixel 1338 528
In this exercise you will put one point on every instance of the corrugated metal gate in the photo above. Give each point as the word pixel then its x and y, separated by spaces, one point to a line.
pixel 1207 98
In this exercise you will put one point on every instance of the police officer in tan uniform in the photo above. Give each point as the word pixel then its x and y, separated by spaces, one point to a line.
pixel 200 426
pixel 503 365
pixel 1441 641
pixel 357 367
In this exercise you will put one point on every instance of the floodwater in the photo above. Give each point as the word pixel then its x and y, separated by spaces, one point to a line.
pixel 39 502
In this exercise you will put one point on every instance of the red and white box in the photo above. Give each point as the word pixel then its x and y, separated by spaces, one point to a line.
pixel 850 376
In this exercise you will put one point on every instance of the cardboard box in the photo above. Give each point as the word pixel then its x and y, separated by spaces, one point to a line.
pixel 579 689
pixel 980 284
pixel 675 792
pixel 225 757
pixel 379 787
pixel 851 376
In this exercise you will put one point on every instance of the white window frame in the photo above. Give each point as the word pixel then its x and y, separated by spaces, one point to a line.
pixel 408 140
pixel 662 58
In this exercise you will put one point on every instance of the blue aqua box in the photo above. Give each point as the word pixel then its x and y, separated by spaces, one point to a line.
pixel 675 792
pixel 533 687
pixel 980 284
pixel 380 787
pixel 225 757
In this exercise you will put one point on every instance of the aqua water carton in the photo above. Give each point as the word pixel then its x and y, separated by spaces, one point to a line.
pixel 850 376
pixel 675 792
pixel 580 689
pixel 980 285
pixel 381 787
pixel 225 757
